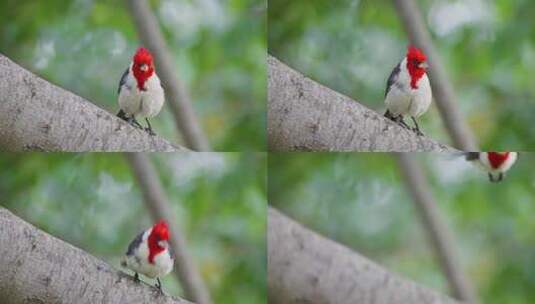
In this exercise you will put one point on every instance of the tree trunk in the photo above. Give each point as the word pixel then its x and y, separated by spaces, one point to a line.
pixel 158 205
pixel 36 115
pixel 304 267
pixel 37 268
pixel 440 236
pixel 306 116
pixel 177 95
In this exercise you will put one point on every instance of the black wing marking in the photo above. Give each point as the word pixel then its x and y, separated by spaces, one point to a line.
pixel 123 80
pixel 392 78
pixel 135 244
pixel 472 156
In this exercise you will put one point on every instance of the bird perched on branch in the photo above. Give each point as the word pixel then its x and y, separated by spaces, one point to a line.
pixel 149 253
pixel 495 163
pixel 140 92
pixel 408 91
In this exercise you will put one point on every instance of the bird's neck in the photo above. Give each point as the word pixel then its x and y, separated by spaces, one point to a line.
pixel 497 159
pixel 154 247
pixel 415 74
pixel 142 77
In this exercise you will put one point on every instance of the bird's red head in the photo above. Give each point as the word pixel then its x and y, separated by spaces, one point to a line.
pixel 416 65
pixel 496 159
pixel 160 232
pixel 142 66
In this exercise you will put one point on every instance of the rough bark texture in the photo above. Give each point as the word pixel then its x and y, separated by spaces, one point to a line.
pixel 158 205
pixel 37 268
pixel 37 115
pixel 306 116
pixel 438 232
pixel 414 25
pixel 177 95
pixel 304 267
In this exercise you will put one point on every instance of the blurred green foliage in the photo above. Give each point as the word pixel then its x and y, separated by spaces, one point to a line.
pixel 219 49
pixel 358 199
pixel 487 48
pixel 93 202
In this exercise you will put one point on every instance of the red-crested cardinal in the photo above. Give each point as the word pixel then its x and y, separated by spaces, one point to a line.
pixel 140 91
pixel 149 253
pixel 495 163
pixel 407 90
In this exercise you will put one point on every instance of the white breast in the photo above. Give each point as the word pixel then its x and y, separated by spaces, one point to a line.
pixel 403 99
pixel 142 104
pixel 139 261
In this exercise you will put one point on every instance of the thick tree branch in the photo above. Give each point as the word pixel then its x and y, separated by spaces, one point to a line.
pixel 37 115
pixel 158 205
pixel 36 267
pixel 306 116
pixel 304 267
pixel 177 95
pixel 441 238
pixel 412 20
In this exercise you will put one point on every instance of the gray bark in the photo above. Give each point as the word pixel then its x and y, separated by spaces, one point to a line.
pixel 443 93
pixel 37 268
pixel 441 238
pixel 177 95
pixel 306 116
pixel 304 267
pixel 36 115
pixel 158 205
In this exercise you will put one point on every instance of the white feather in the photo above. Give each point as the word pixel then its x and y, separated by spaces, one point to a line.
pixel 139 260
pixel 141 104
pixel 402 99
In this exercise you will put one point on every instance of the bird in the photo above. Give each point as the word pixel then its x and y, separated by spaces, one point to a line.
pixel 495 163
pixel 140 91
pixel 408 91
pixel 149 253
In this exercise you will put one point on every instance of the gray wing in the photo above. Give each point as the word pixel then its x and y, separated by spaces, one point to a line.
pixel 135 244
pixel 392 78
pixel 123 80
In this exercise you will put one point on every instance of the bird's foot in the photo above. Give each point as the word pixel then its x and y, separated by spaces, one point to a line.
pixel 159 285
pixel 418 132
pixel 133 122
pixel 136 278
pixel 150 131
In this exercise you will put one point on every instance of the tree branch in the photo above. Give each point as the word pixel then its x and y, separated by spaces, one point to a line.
pixel 441 238
pixel 412 20
pixel 36 267
pixel 177 95
pixel 158 205
pixel 305 267
pixel 37 115
pixel 306 116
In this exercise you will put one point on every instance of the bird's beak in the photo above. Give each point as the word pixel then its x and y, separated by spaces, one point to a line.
pixel 144 67
pixel 423 65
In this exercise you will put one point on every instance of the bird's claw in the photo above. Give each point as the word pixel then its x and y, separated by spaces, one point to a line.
pixel 418 132
pixel 150 131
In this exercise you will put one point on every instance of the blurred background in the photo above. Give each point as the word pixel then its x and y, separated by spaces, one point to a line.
pixel 487 48
pixel 219 48
pixel 360 201
pixel 93 202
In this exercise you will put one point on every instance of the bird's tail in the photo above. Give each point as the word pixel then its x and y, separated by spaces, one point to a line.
pixel 388 114
pixel 122 115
